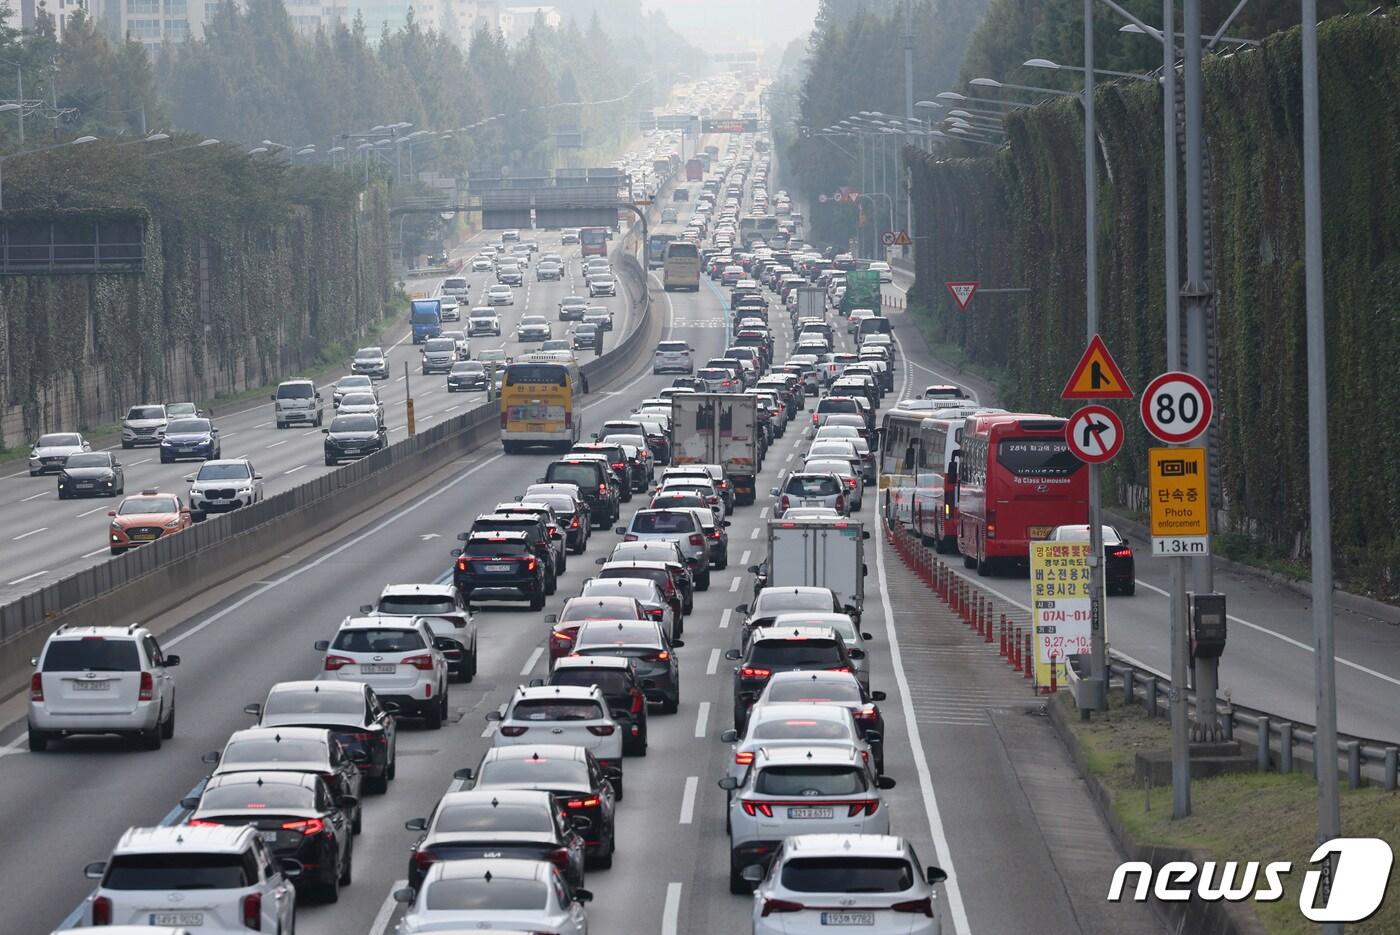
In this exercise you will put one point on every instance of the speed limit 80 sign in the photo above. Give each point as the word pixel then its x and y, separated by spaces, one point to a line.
pixel 1176 407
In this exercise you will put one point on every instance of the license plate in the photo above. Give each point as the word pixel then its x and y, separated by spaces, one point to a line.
pixel 370 668
pixel 496 566
pixel 83 485
pixel 809 813
pixel 813 503
pixel 186 449
pixel 98 686
pixel 1038 532
pixel 182 919
pixel 848 918
pixel 269 836
pixel 352 451
pixel 143 537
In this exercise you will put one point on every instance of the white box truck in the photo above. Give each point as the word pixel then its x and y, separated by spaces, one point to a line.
pixel 811 302
pixel 718 428
pixel 819 552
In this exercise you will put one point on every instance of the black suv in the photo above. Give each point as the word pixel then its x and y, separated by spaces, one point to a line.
pixel 617 459
pixel 782 650
pixel 596 482
pixel 501 559
pixel 536 536
pixel 616 677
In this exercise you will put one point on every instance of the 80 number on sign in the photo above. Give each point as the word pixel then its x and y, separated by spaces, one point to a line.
pixel 1176 407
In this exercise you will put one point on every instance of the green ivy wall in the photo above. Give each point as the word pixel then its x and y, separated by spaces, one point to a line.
pixel 1016 219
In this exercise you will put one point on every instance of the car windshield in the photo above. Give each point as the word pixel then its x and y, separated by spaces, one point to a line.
pixel 368 353
pixel 533 769
pixel 674 499
pixel 556 709
pixel 806 780
pixel 664 522
pixel 310 701
pixel 793 728
pixel 141 506
pixel 776 601
pixel 495 548
pixel 222 472
pixel 295 391
pixel 145 412
pixel 497 816
pixel 812 486
pixel 180 871
pixel 359 399
pixel 796 653
pixel 188 427
pixel 364 640
pixel 65 440
pixel 496 894
pixel 848 875
pixel 468 366
pixel 92 654
pixel 275 749
pixel 609 682
pixel 492 354
pixel 482 313
pixel 584 475
pixel 641 590
pixel 261 794
pixel 440 344
pixel 818 690
pixel 93 460
pixel 357 382
pixel 354 423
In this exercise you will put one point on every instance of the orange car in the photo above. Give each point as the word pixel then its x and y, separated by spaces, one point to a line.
pixel 144 518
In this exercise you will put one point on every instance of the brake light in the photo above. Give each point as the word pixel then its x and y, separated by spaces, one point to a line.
pixel 756 808
pixel 602 490
pixel 784 503
pixel 560 858
pixel 573 523
pixel 839 669
pixel 148 687
pixel 639 701
pixel 307 826
pixel 334 663
pixel 252 911
pixel 201 823
pixel 851 483
pixel 425 663
pixel 618 465
pixel 655 612
pixel 868 806
pixel 752 672
pixel 991 524
pixel 36 687
pixel 561 636
pixel 513 730
pixel 530 563
pixel 424 859
pixel 1123 553
pixel 697 539
pixel 659 657
pixel 814 418
pixel 743 759
pixel 771 906
pixel 462 563
pixel 715 534
pixel 101 910
pixel 866 713
pixel 923 906
pixel 630 537
pixel 583 803
pixel 840 503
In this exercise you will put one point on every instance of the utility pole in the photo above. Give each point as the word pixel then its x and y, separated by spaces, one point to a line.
pixel 908 105
pixel 1329 822
pixel 1097 647
pixel 19 99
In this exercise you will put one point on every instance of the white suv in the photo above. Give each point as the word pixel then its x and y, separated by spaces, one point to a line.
pixel 869 881
pixel 569 714
pixel 226 484
pixel 397 657
pixel 800 790
pixel 673 356
pixel 102 680
pixel 154 874
pixel 483 320
pixel 143 425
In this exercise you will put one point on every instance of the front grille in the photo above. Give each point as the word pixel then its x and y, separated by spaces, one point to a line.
pixel 221 493
pixel 136 532
pixel 144 431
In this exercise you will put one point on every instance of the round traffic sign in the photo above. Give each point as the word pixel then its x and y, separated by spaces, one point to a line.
pixel 1094 434
pixel 887 238
pixel 1176 407
pixel 822 198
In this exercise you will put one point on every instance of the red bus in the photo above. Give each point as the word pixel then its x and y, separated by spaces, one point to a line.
pixel 1017 480
pixel 593 241
pixel 694 169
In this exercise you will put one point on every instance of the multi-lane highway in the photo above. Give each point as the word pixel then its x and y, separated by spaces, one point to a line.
pixel 45 539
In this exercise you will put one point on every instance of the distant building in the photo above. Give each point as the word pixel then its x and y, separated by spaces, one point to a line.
pixel 458 20
pixel 24 14
pixel 517 21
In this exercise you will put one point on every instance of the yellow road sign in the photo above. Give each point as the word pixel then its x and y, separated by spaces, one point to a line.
pixel 1179 511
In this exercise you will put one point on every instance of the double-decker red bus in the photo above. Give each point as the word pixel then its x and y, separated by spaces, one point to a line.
pixel 593 241
pixel 1017 480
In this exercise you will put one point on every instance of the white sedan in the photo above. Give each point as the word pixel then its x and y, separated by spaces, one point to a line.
pixel 499 894
pixel 499 294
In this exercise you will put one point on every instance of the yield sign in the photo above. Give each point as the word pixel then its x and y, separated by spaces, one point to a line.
pixel 1094 434
pixel 962 292
pixel 1096 376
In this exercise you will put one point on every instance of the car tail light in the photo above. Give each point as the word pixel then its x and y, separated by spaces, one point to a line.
pixel 101 910
pixel 334 663
pixel 639 701
pixel 630 537
pixel 1123 553
pixel 36 687
pixel 840 503
pixel 618 465
pixel 424 859
pixel 602 490
pixel 561 636
pixel 868 806
pixel 923 906
pixel 991 524
pixel 602 730
pixel 851 483
pixel 589 802
pixel 715 534
pixel 252 911
pixel 839 669
pixel 814 418
pixel 756 808
pixel 866 713
pixel 514 730
pixel 753 672
pixel 743 759
pixel 573 523
pixel 659 657
pixel 530 563
pixel 148 687
pixel 655 612
pixel 560 858
pixel 307 826
pixel 697 539
pixel 783 503
pixel 462 563
pixel 771 906
pixel 201 823
pixel 424 663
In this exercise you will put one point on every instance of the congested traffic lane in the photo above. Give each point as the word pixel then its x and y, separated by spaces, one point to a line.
pixel 46 539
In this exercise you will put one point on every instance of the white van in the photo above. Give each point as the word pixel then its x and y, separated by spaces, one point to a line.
pixel 296 401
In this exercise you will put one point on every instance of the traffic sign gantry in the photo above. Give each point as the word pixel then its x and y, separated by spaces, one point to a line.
pixel 1097 376
pixel 1176 407
pixel 962 292
pixel 1094 434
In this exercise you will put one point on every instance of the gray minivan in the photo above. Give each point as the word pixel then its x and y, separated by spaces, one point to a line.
pixel 439 354
pixel 876 325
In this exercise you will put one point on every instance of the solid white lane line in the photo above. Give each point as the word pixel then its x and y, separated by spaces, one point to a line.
pixel 46 571
pixel 734 585
pixel 692 786
pixel 277 444
pixel 744 559
pixel 754 534
pixel 724 618
pixel 96 509
pixel 262 425
pixel 713 665
pixel 702 716
pixel 42 493
pixel 534 658
pixel 295 469
pixel 386 910
pixel 26 535
pixel 944 853
pixel 142 461
pixel 670 913
pixel 94 552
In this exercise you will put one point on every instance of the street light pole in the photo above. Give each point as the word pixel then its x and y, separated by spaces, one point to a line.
pixel 908 104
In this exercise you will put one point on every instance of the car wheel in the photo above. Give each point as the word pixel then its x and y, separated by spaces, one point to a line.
pixel 330 890
pixel 551 583
pixel 393 768
pixel 617 787
pixel 38 741
pixel 124 445
pixel 984 567
pixel 151 739
pixel 359 823
pixel 969 561
pixel 703 582
pixel 331 462
pixel 1129 589
pixel 377 785
pixel 167 730
pixel 347 872
pixel 117 551
pixel 537 599
pixel 737 884
pixel 723 562
pixel 563 562
pixel 432 716
pixel 671 705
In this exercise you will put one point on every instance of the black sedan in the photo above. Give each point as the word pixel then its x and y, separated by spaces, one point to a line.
pixel 580 785
pixel 351 711
pixel 189 438
pixel 468 375
pixel 1118 567
pixel 91 474
pixel 297 816
pixel 354 436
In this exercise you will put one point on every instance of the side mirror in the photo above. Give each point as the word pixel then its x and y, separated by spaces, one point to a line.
pixel 455 553
pixel 621 530
pixel 877 696
pixel 728 783
pixel 556 534
pixel 536 683
pixel 325 431
pixel 211 758
pixel 495 716
pixel 346 801
pixel 366 608
pixel 190 803
pixel 744 608
pixel 273 397
pixel 856 653
pixel 254 710
pixel 867 637
pixel 677 644
pixel 753 873
pixel 257 477
pixel 390 707
pixel 726 523
pixel 465 774
pixel 864 569
pixel 732 654
pixel 551 618
pixel 359 757
pixel 873 736
pixel 583 896
pixel 600 561
pixel 773 491
pixel 729 736
pixel 612 772
pixel 462 536
pixel 94 870
pixel 189 478
pixel 172 661
pixel 404 895
pixel 935 875
pixel 582 824
pixel 885 782
pixel 650 683
pixel 416 824
pixel 111 512
pixel 321 645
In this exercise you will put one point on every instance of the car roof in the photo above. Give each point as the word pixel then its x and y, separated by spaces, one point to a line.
pixel 786 633
pixel 845 845
pixel 494 797
pixel 379 623
pixel 190 839
pixel 504 535
pixel 783 710
pixel 574 692
pixel 498 867
pixel 548 751
pixel 594 662
pixel 816 753
pixel 283 777
pixel 391 590
pixel 317 685
pixel 133 632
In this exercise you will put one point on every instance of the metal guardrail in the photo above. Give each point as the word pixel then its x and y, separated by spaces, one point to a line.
pixel 28 259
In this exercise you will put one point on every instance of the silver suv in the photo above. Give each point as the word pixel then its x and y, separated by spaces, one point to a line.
pixel 223 485
pixel 680 525
pixel 102 680
pixel 143 425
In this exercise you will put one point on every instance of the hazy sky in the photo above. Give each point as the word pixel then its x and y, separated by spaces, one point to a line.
pixel 726 24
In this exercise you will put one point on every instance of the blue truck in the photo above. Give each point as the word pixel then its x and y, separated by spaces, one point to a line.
pixel 425 315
